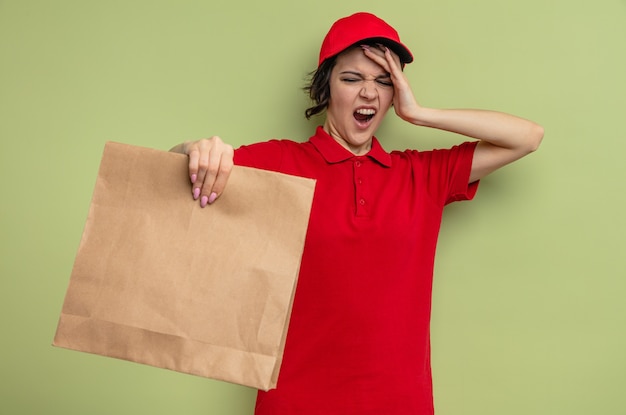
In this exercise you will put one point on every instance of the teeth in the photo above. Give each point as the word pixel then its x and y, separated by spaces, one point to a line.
pixel 365 111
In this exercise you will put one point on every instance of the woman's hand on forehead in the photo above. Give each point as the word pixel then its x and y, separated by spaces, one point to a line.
pixel 377 54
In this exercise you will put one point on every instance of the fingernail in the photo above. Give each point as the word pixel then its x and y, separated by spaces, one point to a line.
pixel 196 193
pixel 212 197
pixel 193 178
pixel 203 201
pixel 365 46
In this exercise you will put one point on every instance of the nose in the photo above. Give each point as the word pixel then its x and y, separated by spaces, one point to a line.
pixel 369 90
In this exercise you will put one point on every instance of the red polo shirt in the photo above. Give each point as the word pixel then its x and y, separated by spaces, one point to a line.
pixel 358 340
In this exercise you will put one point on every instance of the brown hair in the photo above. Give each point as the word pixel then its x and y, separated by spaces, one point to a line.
pixel 318 87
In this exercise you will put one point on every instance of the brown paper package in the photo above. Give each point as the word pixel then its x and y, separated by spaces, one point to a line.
pixel 161 281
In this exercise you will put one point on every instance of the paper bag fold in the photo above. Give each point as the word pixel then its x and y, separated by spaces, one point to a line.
pixel 161 281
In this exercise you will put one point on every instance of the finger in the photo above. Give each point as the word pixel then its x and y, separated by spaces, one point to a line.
pixel 393 61
pixel 223 173
pixel 376 55
pixel 203 166
pixel 206 174
pixel 206 193
pixel 194 158
pixel 220 162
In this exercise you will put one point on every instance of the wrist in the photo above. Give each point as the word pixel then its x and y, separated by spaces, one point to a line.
pixel 423 117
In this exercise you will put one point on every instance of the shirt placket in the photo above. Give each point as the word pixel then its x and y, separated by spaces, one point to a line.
pixel 360 181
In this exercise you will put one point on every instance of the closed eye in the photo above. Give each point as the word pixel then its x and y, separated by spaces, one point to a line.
pixel 353 77
pixel 383 81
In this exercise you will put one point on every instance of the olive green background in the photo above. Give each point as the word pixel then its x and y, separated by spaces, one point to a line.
pixel 529 302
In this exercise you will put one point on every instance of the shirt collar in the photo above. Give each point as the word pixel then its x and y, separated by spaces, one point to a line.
pixel 333 152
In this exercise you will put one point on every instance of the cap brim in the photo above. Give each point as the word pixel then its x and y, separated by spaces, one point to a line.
pixel 399 49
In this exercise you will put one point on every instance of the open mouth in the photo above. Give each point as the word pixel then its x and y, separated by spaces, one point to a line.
pixel 364 115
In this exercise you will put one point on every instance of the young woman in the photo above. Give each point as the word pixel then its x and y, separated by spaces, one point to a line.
pixel 358 340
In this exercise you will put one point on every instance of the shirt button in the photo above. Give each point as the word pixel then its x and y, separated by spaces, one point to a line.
pixel 358 164
pixel 360 181
pixel 362 202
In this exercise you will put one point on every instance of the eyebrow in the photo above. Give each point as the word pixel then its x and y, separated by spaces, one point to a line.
pixel 360 75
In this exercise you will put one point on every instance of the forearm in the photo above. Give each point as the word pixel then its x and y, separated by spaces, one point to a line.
pixel 496 128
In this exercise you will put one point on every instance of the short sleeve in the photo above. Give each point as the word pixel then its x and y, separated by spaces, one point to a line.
pixel 265 155
pixel 445 173
pixel 460 168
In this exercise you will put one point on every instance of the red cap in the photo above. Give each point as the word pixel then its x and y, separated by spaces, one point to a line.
pixel 358 28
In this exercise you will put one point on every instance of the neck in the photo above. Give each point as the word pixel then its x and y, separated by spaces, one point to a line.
pixel 359 148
